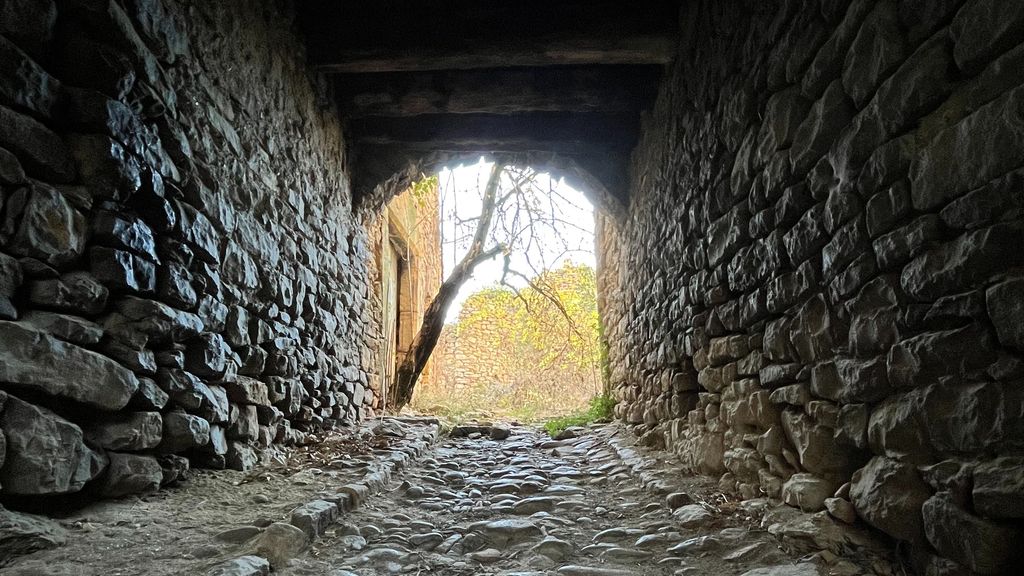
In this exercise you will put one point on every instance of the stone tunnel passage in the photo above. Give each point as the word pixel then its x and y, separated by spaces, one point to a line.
pixel 810 275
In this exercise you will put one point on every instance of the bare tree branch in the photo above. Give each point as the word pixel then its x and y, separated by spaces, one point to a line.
pixel 423 344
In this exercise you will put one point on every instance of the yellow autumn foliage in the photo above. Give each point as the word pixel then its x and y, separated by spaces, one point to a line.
pixel 528 354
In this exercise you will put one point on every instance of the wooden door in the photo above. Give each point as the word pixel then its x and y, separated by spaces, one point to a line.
pixel 389 292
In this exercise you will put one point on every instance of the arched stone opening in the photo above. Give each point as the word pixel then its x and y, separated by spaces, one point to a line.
pixel 599 205
pixel 380 175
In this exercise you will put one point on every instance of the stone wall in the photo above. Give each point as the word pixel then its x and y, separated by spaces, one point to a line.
pixel 467 350
pixel 818 289
pixel 180 270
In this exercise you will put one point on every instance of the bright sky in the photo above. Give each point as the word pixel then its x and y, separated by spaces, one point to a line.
pixel 461 190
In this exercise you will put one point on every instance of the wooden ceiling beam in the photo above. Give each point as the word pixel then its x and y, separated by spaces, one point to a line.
pixel 338 26
pixel 562 50
pixel 505 91
pixel 555 132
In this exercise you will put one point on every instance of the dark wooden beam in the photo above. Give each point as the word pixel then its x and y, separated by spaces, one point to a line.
pixel 503 91
pixel 461 24
pixel 554 132
pixel 496 146
pixel 562 50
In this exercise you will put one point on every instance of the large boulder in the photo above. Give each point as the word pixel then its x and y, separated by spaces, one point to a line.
pixel 815 444
pixel 37 361
pixel 245 390
pixel 888 494
pixel 965 262
pixel 807 492
pixel 998 490
pixel 40 150
pixel 184 432
pixel 121 270
pixel 801 533
pixel 950 417
pixel 983 546
pixel 68 328
pixel 25 533
pixel 130 474
pixel 241 457
pixel 928 357
pixel 105 166
pixel 113 230
pixel 827 117
pixel 157 321
pixel 149 396
pixel 280 542
pixel 174 285
pixel 135 432
pixel 181 387
pixel 76 292
pixel 49 229
pixel 45 453
pixel 206 355
pixel 218 444
pixel 970 153
pixel 244 423
pixel 894 429
pixel 11 172
pixel 1006 309
pixel 199 232
pixel 10 279
pixel 216 407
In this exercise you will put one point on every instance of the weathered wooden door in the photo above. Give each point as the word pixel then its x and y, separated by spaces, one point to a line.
pixel 389 280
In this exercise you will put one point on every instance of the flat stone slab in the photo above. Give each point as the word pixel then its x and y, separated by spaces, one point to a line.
pixel 24 533
pixel 575 570
pixel 242 566
pixel 313 518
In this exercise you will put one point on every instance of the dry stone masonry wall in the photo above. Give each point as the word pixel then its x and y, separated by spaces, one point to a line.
pixel 818 291
pixel 180 271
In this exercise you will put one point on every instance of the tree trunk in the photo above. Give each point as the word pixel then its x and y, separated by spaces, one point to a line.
pixel 423 344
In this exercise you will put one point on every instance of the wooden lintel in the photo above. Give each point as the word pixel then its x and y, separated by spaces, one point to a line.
pixel 588 89
pixel 528 52
pixel 500 132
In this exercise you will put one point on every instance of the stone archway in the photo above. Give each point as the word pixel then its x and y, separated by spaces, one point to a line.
pixel 378 177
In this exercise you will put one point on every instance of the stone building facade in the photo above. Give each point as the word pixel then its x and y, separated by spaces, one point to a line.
pixel 818 286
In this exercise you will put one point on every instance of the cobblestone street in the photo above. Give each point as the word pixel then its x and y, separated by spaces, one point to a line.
pixel 475 502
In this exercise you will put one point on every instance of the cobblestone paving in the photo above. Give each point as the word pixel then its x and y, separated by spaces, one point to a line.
pixel 392 497
pixel 529 505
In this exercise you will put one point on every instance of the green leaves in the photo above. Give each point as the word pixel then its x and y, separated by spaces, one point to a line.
pixel 600 410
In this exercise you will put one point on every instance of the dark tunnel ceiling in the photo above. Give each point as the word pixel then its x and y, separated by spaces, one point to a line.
pixel 462 77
